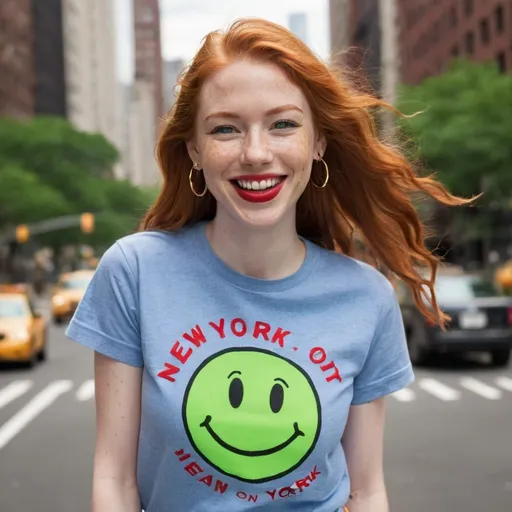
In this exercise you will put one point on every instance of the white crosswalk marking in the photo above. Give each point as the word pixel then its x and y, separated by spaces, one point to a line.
pixel 14 390
pixel 480 388
pixel 439 390
pixel 36 406
pixel 85 391
pixel 505 383
pixel 404 395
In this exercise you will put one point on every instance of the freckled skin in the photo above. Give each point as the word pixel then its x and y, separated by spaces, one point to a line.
pixel 254 145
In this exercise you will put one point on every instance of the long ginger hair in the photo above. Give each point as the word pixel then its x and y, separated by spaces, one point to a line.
pixel 367 202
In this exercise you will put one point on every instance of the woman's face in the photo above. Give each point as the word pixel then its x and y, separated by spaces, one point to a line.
pixel 255 141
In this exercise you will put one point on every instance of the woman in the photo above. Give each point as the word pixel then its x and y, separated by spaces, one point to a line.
pixel 236 339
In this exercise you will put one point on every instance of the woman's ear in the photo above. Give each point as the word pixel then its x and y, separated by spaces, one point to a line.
pixel 193 153
pixel 320 145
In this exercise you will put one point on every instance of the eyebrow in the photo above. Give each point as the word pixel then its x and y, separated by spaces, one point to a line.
pixel 272 111
pixel 233 373
pixel 281 380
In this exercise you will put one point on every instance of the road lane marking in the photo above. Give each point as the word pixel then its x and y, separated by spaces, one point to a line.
pixel 14 390
pixel 12 427
pixel 480 388
pixel 439 390
pixel 505 383
pixel 404 395
pixel 86 391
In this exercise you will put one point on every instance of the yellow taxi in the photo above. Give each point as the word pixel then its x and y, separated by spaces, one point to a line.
pixel 23 334
pixel 68 293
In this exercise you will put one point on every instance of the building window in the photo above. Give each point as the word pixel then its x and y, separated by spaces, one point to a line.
pixel 502 62
pixel 470 43
pixel 455 51
pixel 453 16
pixel 500 19
pixel 485 34
pixel 468 7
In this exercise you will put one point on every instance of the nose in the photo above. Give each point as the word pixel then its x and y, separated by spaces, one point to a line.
pixel 256 150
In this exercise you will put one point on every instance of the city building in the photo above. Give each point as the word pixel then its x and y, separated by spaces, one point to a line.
pixel 143 168
pixel 355 27
pixel 148 53
pixel 48 39
pixel 16 59
pixel 92 86
pixel 339 11
pixel 433 32
pixel 298 24
pixel 172 70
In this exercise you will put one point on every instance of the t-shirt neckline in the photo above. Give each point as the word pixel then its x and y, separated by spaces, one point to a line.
pixel 213 262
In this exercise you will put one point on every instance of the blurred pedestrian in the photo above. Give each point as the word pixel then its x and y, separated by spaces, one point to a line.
pixel 237 338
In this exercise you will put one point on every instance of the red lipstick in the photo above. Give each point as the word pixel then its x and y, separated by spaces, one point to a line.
pixel 258 196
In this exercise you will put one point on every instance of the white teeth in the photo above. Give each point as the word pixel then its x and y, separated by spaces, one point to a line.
pixel 259 185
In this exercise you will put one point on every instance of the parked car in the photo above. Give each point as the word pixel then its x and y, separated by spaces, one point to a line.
pixel 481 319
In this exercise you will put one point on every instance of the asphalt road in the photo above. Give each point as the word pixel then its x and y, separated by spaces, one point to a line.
pixel 448 438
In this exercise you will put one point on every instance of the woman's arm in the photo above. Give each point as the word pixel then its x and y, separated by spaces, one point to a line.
pixel 118 393
pixel 363 442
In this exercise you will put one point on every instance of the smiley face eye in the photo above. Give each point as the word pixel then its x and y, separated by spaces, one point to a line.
pixel 236 393
pixel 276 397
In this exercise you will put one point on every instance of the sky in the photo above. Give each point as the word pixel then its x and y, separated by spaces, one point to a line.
pixel 184 23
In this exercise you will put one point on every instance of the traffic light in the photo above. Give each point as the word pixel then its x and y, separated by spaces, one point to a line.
pixel 87 222
pixel 22 233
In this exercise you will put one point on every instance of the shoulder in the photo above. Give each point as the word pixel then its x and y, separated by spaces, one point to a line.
pixel 361 278
pixel 142 248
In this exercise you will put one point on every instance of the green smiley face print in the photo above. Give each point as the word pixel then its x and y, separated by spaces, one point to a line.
pixel 251 414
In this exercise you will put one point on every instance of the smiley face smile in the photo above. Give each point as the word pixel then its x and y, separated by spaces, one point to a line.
pixel 251 453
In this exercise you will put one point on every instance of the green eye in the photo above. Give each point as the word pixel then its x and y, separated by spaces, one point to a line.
pixel 280 125
pixel 223 130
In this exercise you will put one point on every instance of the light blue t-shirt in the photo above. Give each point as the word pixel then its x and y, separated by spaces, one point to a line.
pixel 247 383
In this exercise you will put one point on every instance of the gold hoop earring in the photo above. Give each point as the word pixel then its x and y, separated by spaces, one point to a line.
pixel 191 183
pixel 326 174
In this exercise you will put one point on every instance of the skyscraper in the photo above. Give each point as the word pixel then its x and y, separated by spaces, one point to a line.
pixel 172 70
pixel 16 59
pixel 148 53
pixel 90 65
pixel 50 82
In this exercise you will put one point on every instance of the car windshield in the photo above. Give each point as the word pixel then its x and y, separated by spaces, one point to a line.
pixel 76 284
pixel 459 288
pixel 12 308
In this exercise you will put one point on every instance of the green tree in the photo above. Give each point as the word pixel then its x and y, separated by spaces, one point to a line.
pixel 48 169
pixel 463 129
pixel 24 198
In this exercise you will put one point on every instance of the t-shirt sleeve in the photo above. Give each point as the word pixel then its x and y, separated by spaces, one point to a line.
pixel 107 318
pixel 387 367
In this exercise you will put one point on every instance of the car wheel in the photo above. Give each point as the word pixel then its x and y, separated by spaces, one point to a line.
pixel 418 351
pixel 500 357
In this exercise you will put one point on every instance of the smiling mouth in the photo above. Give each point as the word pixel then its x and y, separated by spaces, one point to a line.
pixel 258 185
pixel 251 453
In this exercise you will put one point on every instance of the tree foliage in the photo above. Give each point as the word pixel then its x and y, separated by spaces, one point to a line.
pixel 49 169
pixel 462 129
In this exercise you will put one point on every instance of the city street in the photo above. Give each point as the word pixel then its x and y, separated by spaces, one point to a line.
pixel 448 440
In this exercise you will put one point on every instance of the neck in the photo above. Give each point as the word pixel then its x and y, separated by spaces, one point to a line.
pixel 269 253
